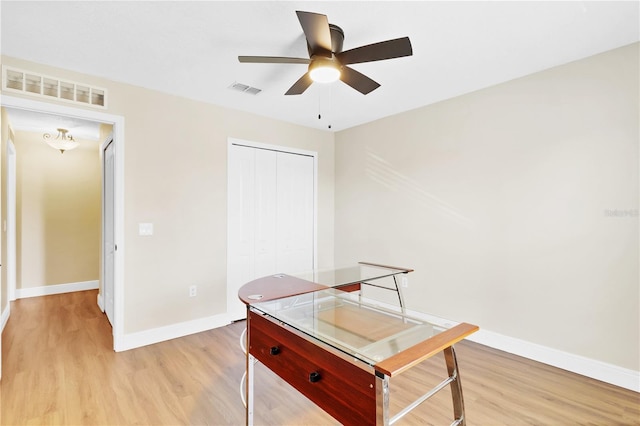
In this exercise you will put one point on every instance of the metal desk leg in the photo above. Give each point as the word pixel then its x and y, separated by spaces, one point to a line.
pixel 456 386
pixel 382 399
pixel 251 361
pixel 400 296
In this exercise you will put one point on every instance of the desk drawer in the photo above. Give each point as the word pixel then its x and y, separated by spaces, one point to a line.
pixel 342 389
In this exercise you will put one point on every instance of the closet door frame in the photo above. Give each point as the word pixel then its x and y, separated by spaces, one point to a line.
pixel 232 296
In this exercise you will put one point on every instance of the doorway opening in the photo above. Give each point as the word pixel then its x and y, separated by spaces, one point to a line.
pixel 116 262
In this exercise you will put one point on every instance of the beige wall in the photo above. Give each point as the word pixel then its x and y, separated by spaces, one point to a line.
pixel 58 212
pixel 5 134
pixel 176 178
pixel 503 202
pixel 499 199
pixel 175 168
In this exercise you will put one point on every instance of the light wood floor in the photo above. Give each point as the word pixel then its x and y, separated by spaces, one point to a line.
pixel 59 368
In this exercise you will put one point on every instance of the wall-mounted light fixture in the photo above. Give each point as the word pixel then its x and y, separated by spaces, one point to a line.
pixel 62 141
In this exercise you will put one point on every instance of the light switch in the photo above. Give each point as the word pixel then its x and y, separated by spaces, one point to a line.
pixel 145 229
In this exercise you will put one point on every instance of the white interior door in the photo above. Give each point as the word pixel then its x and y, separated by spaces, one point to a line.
pixel 108 248
pixel 11 221
pixel 271 213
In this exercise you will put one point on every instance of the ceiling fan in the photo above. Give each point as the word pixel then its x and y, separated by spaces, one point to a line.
pixel 327 62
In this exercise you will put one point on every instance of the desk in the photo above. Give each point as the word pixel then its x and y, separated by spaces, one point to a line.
pixel 339 350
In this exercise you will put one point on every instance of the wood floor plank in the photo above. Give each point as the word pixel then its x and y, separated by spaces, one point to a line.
pixel 59 368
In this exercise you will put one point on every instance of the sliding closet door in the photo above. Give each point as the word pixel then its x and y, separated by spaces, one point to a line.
pixel 294 244
pixel 264 218
pixel 240 224
pixel 270 217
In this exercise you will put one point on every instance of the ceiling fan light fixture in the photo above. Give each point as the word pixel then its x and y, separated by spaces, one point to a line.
pixel 324 70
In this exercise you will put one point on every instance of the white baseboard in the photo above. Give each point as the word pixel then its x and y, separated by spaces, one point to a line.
pixel 100 302
pixel 47 290
pixel 605 372
pixel 5 317
pixel 173 331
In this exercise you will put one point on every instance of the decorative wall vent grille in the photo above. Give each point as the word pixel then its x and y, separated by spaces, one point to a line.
pixel 31 83
pixel 245 88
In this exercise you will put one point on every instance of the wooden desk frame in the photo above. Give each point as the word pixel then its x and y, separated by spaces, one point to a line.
pixel 287 351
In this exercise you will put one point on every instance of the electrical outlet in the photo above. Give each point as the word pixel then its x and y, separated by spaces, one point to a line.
pixel 145 229
pixel 193 291
pixel 404 281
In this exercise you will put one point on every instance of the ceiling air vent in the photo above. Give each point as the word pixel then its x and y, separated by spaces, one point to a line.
pixel 31 83
pixel 245 88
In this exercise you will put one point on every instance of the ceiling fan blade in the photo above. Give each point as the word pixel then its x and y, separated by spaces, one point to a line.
pixel 389 49
pixel 358 81
pixel 273 60
pixel 316 30
pixel 300 86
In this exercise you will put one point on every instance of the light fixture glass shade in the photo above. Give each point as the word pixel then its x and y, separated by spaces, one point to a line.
pixel 61 142
pixel 324 70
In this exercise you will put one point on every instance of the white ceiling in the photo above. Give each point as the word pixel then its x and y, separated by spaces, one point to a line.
pixel 190 48
pixel 81 130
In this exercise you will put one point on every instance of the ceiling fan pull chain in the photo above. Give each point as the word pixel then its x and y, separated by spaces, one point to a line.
pixel 330 89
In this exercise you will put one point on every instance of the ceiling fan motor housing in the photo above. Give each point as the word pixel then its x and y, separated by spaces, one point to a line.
pixel 337 38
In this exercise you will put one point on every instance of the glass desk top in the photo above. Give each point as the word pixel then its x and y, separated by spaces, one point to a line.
pixel 284 285
pixel 359 329
pixel 351 274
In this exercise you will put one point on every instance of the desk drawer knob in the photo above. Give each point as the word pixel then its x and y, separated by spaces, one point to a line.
pixel 314 377
pixel 274 350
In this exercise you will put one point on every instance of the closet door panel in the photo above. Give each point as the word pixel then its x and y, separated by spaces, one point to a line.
pixel 265 213
pixel 295 176
pixel 240 224
pixel 270 217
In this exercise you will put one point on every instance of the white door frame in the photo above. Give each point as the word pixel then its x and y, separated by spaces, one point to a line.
pixel 11 221
pixel 102 301
pixel 117 122
pixel 231 298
